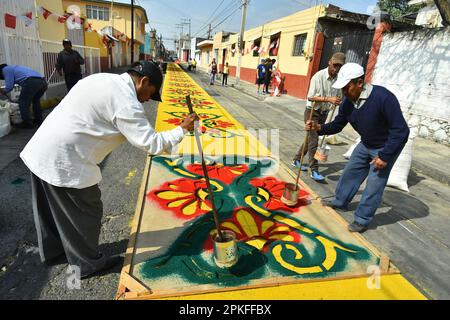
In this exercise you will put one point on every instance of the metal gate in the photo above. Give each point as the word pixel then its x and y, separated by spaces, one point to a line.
pixel 356 45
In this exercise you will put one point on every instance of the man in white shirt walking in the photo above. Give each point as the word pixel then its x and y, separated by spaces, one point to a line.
pixel 96 116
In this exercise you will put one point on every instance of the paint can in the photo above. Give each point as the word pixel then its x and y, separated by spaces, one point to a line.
pixel 290 195
pixel 225 252
pixel 322 153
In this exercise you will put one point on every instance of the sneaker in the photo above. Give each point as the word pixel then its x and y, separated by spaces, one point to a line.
pixel 330 203
pixel 356 227
pixel 296 163
pixel 316 176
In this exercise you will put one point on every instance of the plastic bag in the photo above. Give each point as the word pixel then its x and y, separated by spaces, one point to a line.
pixel 5 123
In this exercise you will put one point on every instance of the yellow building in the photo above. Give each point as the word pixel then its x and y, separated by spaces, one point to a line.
pixel 113 20
pixel 295 42
pixel 205 54
pixel 51 29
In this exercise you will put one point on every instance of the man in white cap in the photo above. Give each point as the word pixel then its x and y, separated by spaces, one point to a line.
pixel 100 113
pixel 375 113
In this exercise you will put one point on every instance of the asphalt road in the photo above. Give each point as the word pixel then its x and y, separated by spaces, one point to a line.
pixel 411 228
pixel 22 275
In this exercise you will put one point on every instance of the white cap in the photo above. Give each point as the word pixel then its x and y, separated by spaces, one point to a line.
pixel 348 72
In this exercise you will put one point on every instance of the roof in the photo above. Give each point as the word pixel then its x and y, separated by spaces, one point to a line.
pixel 119 4
pixel 205 43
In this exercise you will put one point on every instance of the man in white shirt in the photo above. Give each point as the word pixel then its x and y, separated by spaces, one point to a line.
pixel 101 112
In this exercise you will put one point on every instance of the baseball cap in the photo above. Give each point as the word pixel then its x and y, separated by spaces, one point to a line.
pixel 338 57
pixel 153 72
pixel 67 41
pixel 348 72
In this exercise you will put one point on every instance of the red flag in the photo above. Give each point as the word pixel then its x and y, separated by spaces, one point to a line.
pixel 28 18
pixel 62 19
pixel 10 21
pixel 45 13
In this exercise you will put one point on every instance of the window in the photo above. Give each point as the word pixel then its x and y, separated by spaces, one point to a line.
pixel 299 45
pixel 255 47
pixel 97 13
pixel 274 44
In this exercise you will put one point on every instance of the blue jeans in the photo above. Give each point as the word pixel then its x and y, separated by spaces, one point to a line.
pixel 355 172
pixel 212 78
pixel 31 92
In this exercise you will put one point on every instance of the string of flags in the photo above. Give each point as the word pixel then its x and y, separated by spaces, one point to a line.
pixel 11 20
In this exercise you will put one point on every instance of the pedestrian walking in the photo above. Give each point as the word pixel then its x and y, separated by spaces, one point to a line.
pixel 268 74
pixel 96 116
pixel 69 61
pixel 321 97
pixel 194 65
pixel 213 71
pixel 33 87
pixel 226 71
pixel 375 113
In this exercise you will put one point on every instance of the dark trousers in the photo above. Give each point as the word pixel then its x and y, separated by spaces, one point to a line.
pixel 68 221
pixel 224 78
pixel 72 79
pixel 31 92
pixel 313 139
pixel 267 84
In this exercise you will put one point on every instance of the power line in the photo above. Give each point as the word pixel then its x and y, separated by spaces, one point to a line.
pixel 218 15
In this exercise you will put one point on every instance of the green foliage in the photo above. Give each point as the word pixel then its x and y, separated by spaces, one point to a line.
pixel 398 8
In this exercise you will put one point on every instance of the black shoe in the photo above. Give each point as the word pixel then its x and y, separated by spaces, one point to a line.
pixel 356 227
pixel 25 125
pixel 109 263
pixel 61 259
pixel 330 203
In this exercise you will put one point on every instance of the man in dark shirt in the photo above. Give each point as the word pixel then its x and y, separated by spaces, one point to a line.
pixel 375 113
pixel 268 75
pixel 70 62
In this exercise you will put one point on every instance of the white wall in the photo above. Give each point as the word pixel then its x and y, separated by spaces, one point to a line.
pixel 415 66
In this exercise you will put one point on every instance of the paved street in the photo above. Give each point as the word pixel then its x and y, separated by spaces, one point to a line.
pixel 410 228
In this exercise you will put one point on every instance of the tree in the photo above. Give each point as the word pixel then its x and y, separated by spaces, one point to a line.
pixel 398 8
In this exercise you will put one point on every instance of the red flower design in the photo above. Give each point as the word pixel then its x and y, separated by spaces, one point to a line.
pixel 272 190
pixel 185 197
pixel 256 231
pixel 225 174
pixel 174 121
pixel 222 124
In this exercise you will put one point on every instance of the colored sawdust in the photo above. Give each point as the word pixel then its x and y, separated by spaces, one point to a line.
pixel 173 251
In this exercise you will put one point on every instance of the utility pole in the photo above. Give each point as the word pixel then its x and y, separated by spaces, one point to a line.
pixel 241 40
pixel 181 42
pixel 132 31
pixel 188 22
pixel 209 31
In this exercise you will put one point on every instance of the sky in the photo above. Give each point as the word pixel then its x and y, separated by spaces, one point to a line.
pixel 164 15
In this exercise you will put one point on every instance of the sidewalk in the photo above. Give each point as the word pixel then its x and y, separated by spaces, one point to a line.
pixel 428 156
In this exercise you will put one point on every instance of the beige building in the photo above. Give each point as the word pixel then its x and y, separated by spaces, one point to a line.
pixel 296 42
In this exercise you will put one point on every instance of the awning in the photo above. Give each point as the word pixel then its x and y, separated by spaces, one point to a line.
pixel 112 38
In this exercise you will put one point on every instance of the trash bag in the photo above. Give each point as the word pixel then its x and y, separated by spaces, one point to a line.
pixel 5 123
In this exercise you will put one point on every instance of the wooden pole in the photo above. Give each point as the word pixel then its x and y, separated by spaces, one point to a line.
pixel 205 172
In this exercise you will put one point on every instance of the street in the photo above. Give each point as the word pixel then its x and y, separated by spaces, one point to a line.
pixel 412 229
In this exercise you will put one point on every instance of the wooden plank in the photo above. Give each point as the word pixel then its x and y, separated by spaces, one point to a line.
pixel 134 228
pixel 274 282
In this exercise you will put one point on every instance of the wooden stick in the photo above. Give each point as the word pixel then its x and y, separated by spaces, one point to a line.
pixel 303 151
pixel 205 170
pixel 324 137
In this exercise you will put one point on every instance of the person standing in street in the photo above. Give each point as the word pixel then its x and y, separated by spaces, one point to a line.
pixel 226 71
pixel 268 75
pixel 100 113
pixel 33 87
pixel 260 75
pixel 321 97
pixel 212 71
pixel 69 61
pixel 375 113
